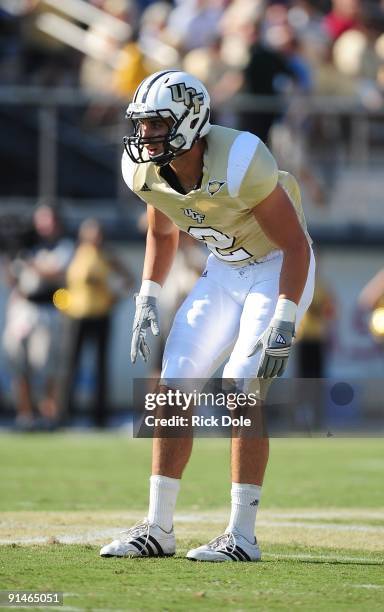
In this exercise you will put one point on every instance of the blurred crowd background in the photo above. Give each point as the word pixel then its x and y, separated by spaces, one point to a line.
pixel 306 76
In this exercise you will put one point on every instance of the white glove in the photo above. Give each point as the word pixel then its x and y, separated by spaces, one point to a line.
pixel 275 345
pixel 146 315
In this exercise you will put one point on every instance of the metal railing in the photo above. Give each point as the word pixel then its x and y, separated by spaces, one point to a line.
pixel 351 139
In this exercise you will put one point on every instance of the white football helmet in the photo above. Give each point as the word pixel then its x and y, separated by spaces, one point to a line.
pixel 168 94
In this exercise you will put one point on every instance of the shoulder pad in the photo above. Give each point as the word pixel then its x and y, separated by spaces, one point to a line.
pixel 128 168
pixel 240 156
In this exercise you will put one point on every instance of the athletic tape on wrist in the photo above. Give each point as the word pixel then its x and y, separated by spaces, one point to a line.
pixel 150 288
pixel 285 310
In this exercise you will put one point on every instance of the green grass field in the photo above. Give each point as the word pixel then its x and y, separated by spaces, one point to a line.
pixel 321 525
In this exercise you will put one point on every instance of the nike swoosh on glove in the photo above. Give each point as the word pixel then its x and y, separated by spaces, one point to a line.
pixel 146 315
pixel 275 345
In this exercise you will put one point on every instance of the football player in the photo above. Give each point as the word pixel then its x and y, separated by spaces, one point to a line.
pixel 223 187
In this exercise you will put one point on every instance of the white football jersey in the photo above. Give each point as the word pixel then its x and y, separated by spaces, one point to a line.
pixel 239 172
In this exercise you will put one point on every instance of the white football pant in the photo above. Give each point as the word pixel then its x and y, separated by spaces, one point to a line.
pixel 225 313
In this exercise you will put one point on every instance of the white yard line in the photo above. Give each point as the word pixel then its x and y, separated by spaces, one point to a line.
pixel 61 608
pixel 332 557
pixel 368 586
pixel 73 528
pixel 327 513
pixel 342 514
pixel 325 526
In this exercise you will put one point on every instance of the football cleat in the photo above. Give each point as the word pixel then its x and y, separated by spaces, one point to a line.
pixel 226 547
pixel 142 540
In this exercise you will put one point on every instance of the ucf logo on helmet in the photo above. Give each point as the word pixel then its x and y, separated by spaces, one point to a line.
pixel 188 95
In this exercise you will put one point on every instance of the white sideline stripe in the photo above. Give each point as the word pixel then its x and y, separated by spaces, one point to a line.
pixel 95 535
pixel 368 586
pixel 359 514
pixel 65 608
pixel 326 526
pixel 69 608
pixel 189 518
pixel 332 557
pixel 342 514
pixel 327 514
pixel 85 538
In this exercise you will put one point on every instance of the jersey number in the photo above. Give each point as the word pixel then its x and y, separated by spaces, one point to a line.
pixel 216 241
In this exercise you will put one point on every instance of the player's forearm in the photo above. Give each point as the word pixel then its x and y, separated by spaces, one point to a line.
pixel 159 255
pixel 294 271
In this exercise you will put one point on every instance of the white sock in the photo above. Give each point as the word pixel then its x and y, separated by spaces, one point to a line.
pixel 162 500
pixel 245 501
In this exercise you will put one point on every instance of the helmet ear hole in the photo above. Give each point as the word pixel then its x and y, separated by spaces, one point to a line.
pixel 194 123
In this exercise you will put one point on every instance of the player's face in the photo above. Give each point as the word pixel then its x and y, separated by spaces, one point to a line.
pixel 155 129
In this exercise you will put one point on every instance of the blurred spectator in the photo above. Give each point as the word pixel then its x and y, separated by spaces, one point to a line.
pixel 132 67
pixel 312 349
pixel 156 40
pixel 267 73
pixel 206 63
pixel 32 330
pixel 344 15
pixel 253 67
pixel 96 280
pixel 313 333
pixel 144 4
pixel 329 132
pixel 329 80
pixel 357 55
pixel 282 39
pixel 371 300
pixel 238 14
pixel 372 27
pixel 123 65
pixel 306 19
pixel 289 136
pixel 194 23
pixel 237 30
pixel 17 234
pixel 222 81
